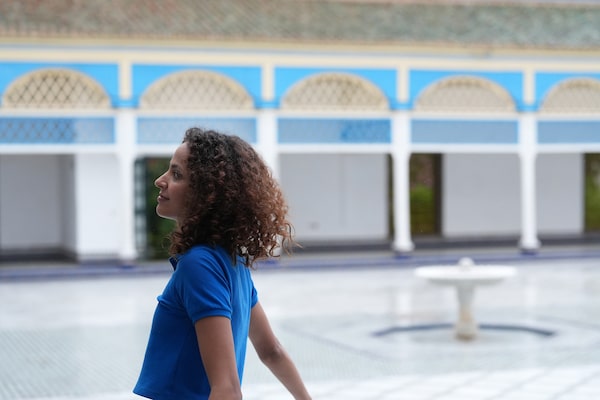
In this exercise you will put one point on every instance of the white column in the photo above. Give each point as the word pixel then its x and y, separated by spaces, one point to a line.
pixel 267 139
pixel 527 156
pixel 267 145
pixel 400 158
pixel 125 136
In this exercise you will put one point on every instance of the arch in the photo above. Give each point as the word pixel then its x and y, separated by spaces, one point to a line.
pixel 335 91
pixel 465 94
pixel 193 90
pixel 56 88
pixel 575 95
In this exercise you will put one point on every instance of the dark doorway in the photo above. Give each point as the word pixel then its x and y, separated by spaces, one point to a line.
pixel 425 194
pixel 592 193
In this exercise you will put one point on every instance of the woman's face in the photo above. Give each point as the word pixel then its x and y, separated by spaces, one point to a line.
pixel 174 185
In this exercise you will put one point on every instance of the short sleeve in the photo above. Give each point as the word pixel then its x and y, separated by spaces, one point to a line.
pixel 254 299
pixel 203 286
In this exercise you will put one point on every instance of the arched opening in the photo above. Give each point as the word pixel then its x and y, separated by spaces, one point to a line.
pixel 576 95
pixel 196 90
pixel 55 89
pixel 465 94
pixel 334 91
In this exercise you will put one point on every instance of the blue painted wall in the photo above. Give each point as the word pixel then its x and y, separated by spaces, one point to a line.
pixel 107 75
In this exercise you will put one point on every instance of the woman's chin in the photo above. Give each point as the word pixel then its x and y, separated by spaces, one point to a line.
pixel 164 215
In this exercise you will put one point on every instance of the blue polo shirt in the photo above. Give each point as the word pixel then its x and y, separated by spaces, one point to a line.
pixel 204 283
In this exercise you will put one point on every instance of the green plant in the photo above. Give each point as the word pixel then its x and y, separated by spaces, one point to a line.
pixel 592 192
pixel 422 210
pixel 157 228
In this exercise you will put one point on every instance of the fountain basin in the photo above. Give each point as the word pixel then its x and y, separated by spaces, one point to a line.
pixel 465 277
pixel 476 275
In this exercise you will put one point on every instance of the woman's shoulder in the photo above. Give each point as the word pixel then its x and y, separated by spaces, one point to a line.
pixel 204 254
pixel 201 249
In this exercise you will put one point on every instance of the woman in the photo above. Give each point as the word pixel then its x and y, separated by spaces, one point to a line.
pixel 229 212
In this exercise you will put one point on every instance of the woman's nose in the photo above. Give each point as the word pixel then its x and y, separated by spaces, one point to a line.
pixel 159 183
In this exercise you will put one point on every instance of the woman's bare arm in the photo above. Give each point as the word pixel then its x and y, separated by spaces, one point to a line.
pixel 215 341
pixel 273 355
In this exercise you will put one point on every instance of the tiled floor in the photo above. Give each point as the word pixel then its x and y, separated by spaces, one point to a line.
pixel 362 328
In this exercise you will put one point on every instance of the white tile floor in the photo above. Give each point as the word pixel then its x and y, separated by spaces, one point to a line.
pixel 84 338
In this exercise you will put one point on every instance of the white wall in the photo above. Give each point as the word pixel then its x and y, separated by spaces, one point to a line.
pixel 30 203
pixel 98 194
pixel 60 203
pixel 336 197
pixel 560 192
pixel 480 195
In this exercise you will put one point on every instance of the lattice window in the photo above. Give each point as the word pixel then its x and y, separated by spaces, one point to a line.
pixel 465 94
pixel 335 91
pixel 55 88
pixel 193 90
pixel 578 95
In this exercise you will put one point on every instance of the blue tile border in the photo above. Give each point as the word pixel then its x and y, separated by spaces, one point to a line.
pixel 170 130
pixel 334 130
pixel 544 333
pixel 464 132
pixel 57 130
pixel 564 132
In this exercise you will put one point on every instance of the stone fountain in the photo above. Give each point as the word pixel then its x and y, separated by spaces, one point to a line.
pixel 465 277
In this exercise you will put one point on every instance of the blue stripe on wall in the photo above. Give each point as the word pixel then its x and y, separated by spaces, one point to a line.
pixel 57 130
pixel 565 132
pixel 299 130
pixel 464 132
pixel 157 130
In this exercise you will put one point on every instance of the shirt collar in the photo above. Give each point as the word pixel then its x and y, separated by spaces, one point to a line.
pixel 173 260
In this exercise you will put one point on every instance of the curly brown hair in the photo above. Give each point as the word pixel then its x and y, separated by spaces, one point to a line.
pixel 234 201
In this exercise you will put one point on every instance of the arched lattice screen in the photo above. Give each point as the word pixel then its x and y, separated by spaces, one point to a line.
pixel 465 94
pixel 55 88
pixel 335 91
pixel 194 90
pixel 578 95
